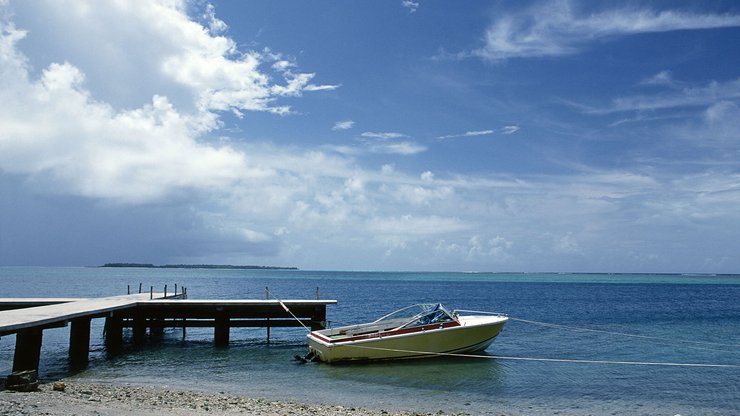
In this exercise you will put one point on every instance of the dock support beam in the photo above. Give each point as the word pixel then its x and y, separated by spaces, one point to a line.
pixel 221 330
pixel 27 349
pixel 79 342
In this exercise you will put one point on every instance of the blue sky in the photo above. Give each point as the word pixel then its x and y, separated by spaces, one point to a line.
pixel 376 135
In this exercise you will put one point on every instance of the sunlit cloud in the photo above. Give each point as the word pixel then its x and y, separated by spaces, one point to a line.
pixel 53 126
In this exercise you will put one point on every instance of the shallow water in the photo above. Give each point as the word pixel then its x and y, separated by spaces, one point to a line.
pixel 681 311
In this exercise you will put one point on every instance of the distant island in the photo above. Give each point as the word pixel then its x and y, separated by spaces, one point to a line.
pixel 196 266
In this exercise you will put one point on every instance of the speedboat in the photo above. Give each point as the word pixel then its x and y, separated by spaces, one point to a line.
pixel 423 330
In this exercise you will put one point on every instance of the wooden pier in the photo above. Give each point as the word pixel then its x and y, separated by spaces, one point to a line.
pixel 28 317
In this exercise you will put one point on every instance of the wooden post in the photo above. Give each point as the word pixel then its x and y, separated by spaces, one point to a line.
pixel 221 330
pixel 151 292
pixel 165 291
pixel 128 289
pixel 113 333
pixel 267 296
pixel 139 287
pixel 27 349
pixel 79 342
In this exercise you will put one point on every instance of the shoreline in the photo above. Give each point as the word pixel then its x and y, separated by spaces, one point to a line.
pixel 100 399
pixel 113 399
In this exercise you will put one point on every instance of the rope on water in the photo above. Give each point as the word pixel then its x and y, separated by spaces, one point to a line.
pixel 557 360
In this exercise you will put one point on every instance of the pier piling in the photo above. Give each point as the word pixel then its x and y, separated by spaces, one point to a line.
pixel 79 342
pixel 27 349
pixel 139 329
pixel 221 330
pixel 113 333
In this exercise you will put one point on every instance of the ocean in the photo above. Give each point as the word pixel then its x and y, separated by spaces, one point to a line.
pixel 672 319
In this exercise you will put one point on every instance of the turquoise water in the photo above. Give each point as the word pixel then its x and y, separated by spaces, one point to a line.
pixel 692 319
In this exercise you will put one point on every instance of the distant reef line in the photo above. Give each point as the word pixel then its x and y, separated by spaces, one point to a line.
pixel 196 266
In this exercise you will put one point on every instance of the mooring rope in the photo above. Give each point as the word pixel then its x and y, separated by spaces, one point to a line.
pixel 575 328
pixel 285 307
pixel 557 360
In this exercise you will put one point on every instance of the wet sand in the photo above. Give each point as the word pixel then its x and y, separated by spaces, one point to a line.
pixel 88 399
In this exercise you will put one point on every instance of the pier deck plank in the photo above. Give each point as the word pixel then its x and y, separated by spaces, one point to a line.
pixel 39 316
pixel 22 313
pixel 18 303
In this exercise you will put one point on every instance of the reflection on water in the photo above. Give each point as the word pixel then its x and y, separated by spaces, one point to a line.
pixel 436 374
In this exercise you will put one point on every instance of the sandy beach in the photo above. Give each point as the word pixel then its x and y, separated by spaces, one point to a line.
pixel 89 399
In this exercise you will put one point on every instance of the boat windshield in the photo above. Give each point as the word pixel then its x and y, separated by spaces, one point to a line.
pixel 418 315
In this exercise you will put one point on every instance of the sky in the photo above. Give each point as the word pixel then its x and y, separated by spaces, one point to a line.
pixel 560 136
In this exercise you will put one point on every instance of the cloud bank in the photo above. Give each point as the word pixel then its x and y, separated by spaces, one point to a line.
pixel 53 125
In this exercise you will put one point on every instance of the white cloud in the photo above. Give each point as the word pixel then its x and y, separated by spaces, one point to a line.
pixel 671 98
pixel 423 195
pixel 717 128
pixel 476 249
pixel 473 133
pixel 496 247
pixel 567 244
pixel 324 87
pixel 411 226
pixel 662 78
pixel 557 28
pixel 383 135
pixel 509 129
pixel 54 126
pixel 215 25
pixel 384 143
pixel 399 148
pixel 410 5
pixel 405 148
pixel 343 125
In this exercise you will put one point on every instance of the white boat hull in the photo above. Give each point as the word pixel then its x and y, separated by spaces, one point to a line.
pixel 475 333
